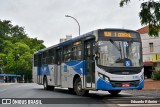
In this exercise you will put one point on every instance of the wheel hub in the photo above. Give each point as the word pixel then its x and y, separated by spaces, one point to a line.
pixel 79 87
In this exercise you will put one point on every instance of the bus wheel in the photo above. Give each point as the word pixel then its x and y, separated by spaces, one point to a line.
pixel 78 88
pixel 114 92
pixel 45 83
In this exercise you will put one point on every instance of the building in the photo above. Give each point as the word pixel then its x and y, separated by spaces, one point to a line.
pixel 67 38
pixel 151 50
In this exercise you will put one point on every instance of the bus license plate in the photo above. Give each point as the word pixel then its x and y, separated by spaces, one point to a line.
pixel 125 84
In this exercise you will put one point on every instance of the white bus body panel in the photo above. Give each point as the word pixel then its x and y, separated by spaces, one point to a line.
pixel 34 74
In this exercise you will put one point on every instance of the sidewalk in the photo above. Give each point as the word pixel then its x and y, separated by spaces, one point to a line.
pixel 150 84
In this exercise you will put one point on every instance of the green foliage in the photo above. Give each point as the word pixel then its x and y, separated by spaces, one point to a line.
pixel 124 2
pixel 7 46
pixel 2 57
pixel 21 48
pixel 16 49
pixel 10 65
pixel 1 44
pixel 149 15
pixel 156 75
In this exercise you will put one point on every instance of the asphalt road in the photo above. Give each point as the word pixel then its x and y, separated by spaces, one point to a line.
pixel 62 98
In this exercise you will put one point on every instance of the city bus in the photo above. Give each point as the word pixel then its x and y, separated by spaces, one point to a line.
pixel 104 59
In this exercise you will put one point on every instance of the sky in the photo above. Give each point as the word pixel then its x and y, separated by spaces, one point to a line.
pixel 45 19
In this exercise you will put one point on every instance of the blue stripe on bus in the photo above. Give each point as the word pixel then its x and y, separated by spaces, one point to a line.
pixel 78 66
pixel 104 85
pixel 44 70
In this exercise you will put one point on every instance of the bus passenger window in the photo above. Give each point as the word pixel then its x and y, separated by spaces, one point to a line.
pixel 67 53
pixel 50 59
pixel 76 51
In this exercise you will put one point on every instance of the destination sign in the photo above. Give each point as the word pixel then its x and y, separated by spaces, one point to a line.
pixel 121 34
pixel 118 34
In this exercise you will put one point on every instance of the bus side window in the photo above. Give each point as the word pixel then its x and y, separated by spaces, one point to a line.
pixel 76 51
pixel 39 59
pixel 50 57
pixel 44 59
pixel 67 53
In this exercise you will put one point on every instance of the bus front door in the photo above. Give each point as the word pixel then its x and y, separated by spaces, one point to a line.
pixel 89 52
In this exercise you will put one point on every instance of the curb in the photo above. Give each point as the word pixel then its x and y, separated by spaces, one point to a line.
pixel 143 90
pixel 150 90
pixel 4 84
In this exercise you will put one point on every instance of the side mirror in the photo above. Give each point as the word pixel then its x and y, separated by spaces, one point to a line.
pixel 97 56
pixel 96 48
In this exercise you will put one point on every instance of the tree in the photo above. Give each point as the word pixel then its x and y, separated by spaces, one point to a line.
pixel 34 43
pixel 5 28
pixel 25 65
pixel 20 48
pixel 2 61
pixel 149 15
pixel 16 49
pixel 1 45
pixel 7 46
pixel 10 66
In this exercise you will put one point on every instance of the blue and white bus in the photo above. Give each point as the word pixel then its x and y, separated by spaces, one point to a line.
pixel 103 59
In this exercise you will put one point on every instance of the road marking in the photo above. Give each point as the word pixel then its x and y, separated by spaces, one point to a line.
pixel 133 105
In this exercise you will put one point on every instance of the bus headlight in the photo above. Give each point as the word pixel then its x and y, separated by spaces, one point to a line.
pixel 103 77
pixel 106 79
pixel 142 77
pixel 100 75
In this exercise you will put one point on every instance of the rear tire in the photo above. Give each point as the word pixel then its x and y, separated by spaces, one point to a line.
pixel 78 88
pixel 114 92
pixel 45 84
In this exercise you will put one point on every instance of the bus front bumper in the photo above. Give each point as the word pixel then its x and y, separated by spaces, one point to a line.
pixel 104 85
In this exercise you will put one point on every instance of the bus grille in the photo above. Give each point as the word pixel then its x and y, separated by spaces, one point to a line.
pixel 119 83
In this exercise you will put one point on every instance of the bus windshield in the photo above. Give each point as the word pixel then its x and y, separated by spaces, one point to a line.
pixel 116 53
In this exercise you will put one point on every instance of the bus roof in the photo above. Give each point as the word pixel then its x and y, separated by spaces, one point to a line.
pixel 119 29
pixel 92 33
pixel 68 41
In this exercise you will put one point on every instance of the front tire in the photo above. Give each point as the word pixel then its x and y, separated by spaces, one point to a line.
pixel 78 88
pixel 114 92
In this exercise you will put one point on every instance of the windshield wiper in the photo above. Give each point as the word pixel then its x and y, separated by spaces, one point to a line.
pixel 120 50
pixel 117 47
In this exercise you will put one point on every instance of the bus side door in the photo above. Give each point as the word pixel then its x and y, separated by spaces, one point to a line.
pixel 57 74
pixel 39 74
pixel 89 52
